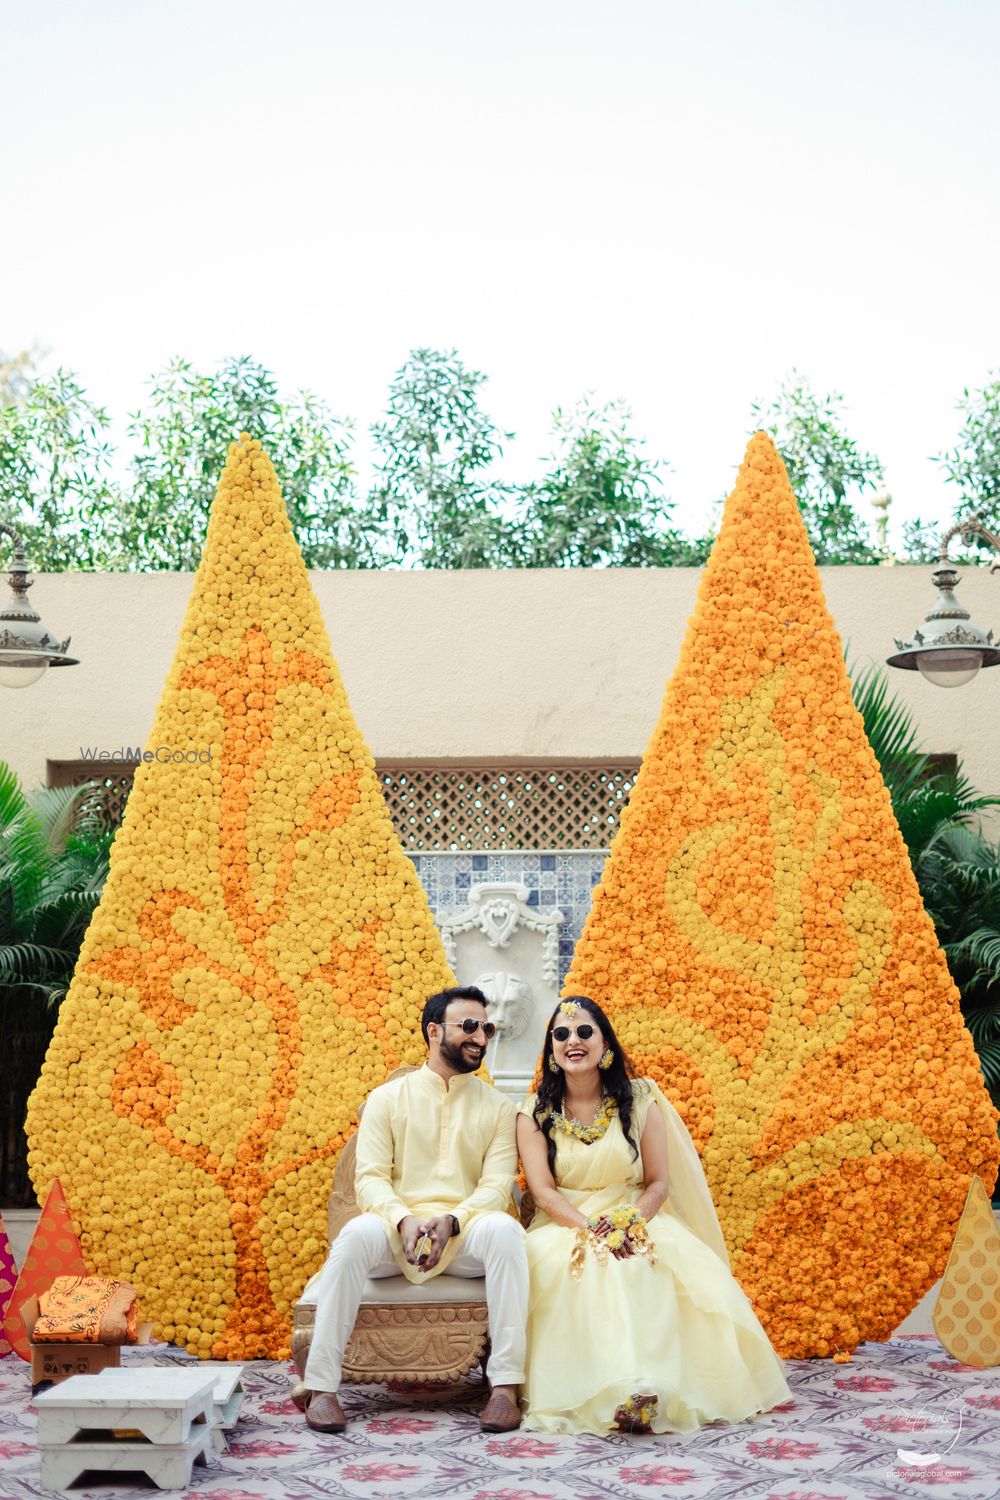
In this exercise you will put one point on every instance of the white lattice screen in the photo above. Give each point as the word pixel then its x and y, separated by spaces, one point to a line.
pixel 111 782
pixel 506 807
pixel 452 807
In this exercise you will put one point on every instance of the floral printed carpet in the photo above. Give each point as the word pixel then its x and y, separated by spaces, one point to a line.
pixel 840 1439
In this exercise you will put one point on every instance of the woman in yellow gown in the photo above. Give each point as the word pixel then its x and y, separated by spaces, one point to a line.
pixel 632 1327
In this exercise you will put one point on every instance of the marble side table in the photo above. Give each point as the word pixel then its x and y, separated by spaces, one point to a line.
pixel 228 1394
pixel 168 1465
pixel 165 1418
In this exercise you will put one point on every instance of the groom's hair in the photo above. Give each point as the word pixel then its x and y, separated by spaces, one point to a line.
pixel 436 1006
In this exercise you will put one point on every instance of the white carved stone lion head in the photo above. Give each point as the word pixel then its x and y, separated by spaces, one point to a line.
pixel 510 1002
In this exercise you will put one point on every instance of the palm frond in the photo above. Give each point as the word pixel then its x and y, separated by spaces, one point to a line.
pixel 55 807
pixel 935 820
pixel 61 920
pixel 989 1061
pixel 26 963
pixel 38 999
pixel 12 798
pixel 890 729
pixel 984 1025
pixel 25 857
pixel 981 949
pixel 965 846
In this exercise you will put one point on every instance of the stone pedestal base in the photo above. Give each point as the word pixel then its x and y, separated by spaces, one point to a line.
pixel 409 1343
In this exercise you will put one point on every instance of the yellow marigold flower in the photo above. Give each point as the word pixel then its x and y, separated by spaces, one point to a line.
pixel 239 991
pixel 788 991
pixel 621 1218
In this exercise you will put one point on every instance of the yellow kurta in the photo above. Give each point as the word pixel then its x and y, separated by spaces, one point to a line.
pixel 682 1329
pixel 428 1148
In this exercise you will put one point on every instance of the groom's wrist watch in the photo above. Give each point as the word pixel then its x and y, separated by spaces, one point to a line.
pixel 456 1227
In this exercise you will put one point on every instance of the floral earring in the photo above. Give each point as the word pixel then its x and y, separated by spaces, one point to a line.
pixel 607 1059
pixel 553 1065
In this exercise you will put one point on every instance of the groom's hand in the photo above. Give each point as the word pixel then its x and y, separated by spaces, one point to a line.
pixel 411 1232
pixel 440 1233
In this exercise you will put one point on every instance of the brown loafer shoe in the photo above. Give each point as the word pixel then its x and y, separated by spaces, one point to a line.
pixel 324 1412
pixel 499 1414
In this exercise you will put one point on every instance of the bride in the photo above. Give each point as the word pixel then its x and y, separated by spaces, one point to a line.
pixel 636 1322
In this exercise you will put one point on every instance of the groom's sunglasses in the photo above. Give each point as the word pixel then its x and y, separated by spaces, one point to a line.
pixel 471 1026
pixel 563 1033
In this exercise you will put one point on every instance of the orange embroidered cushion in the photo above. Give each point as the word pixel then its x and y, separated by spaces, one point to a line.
pixel 87 1310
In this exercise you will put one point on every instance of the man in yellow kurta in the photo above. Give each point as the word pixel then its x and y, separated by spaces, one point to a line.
pixel 436 1158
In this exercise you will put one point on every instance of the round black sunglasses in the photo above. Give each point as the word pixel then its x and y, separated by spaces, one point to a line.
pixel 563 1033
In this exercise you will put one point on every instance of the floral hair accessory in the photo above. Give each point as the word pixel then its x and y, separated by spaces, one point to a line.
pixel 569 1007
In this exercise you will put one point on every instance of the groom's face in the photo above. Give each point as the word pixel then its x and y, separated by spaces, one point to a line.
pixel 459 1050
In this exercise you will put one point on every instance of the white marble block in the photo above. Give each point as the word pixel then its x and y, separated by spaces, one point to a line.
pixel 228 1395
pixel 166 1404
pixel 168 1465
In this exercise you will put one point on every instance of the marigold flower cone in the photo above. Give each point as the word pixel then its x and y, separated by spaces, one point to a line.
pixel 256 966
pixel 760 941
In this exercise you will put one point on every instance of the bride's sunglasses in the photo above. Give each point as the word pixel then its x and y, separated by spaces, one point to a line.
pixel 563 1033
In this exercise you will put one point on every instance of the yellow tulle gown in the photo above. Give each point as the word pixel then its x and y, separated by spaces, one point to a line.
pixel 682 1329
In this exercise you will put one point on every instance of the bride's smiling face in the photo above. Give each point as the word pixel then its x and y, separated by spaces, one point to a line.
pixel 577 1054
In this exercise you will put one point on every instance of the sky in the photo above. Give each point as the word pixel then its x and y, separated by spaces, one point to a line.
pixel 673 203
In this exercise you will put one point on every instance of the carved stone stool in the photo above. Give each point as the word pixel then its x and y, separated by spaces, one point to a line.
pixel 407 1333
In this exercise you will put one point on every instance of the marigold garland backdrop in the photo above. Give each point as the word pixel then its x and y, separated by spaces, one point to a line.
pixel 256 966
pixel 759 938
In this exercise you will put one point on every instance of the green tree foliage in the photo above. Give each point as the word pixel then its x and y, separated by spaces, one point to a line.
pixel 56 484
pixel 436 448
pixel 17 375
pixel 53 864
pixel 602 502
pixel 437 501
pixel 183 433
pixel 826 468
pixel 921 541
pixel 973 465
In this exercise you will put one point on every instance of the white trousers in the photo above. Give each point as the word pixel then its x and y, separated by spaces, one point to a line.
pixel 492 1246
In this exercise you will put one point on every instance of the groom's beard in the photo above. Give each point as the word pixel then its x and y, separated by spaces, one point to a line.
pixel 456 1058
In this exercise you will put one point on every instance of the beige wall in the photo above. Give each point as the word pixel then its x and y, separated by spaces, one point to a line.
pixel 553 665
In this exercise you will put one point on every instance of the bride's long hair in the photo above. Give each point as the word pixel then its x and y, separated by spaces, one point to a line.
pixel 616 1080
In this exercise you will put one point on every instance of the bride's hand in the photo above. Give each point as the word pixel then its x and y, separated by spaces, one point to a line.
pixel 624 1250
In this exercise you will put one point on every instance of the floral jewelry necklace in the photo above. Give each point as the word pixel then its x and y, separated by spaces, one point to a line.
pixel 586 1133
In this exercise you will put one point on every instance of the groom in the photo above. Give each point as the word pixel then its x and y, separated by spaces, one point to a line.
pixel 435 1166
